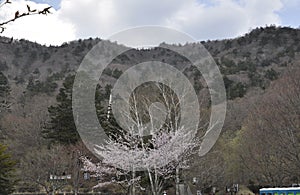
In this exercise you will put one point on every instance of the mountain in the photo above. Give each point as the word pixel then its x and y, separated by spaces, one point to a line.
pixel 32 76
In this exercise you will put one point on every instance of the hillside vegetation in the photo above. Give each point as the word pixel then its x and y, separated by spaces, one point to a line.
pixel 260 141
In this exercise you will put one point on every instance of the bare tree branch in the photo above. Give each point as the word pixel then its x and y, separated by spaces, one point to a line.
pixel 18 14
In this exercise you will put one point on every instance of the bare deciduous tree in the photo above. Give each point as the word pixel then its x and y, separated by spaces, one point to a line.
pixel 270 140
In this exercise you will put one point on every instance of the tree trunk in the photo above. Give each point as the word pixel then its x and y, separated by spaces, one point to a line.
pixel 156 182
pixel 151 182
pixel 133 184
pixel 177 180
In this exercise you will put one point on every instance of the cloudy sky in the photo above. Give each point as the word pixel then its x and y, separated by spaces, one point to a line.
pixel 202 19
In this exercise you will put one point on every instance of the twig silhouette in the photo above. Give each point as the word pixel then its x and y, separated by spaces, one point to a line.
pixel 5 2
pixel 18 15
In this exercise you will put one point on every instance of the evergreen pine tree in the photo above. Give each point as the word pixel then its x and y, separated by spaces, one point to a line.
pixel 7 177
pixel 4 93
pixel 61 127
pixel 4 87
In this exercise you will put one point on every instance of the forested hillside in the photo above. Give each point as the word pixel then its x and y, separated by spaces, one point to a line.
pixel 259 144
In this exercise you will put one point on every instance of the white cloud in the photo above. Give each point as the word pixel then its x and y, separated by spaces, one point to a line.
pixel 225 18
pixel 263 12
pixel 102 18
pixel 221 19
pixel 50 29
